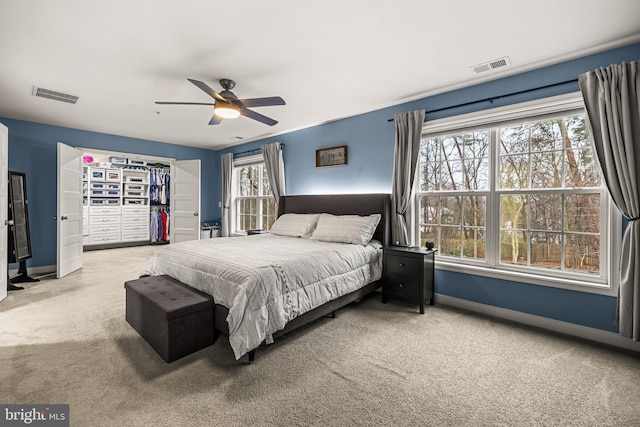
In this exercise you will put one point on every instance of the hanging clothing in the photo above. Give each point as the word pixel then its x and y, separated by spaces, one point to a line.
pixel 159 181
pixel 153 225
pixel 165 225
pixel 160 229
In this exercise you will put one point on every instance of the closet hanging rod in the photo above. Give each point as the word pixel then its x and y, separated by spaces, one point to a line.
pixel 494 98
pixel 254 150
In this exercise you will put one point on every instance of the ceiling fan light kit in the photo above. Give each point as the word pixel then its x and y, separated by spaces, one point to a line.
pixel 226 111
pixel 228 106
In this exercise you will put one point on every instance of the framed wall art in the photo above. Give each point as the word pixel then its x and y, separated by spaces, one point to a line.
pixel 332 156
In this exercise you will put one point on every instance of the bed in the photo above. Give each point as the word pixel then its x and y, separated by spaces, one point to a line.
pixel 265 285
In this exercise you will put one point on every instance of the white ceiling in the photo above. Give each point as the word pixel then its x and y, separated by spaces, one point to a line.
pixel 328 59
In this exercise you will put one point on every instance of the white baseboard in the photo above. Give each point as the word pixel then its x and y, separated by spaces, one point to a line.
pixel 35 271
pixel 572 329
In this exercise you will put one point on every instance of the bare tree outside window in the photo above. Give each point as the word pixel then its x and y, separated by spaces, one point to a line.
pixel 547 192
pixel 255 203
pixel 457 168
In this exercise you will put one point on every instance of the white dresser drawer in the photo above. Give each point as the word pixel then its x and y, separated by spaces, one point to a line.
pixel 135 227
pixel 132 236
pixel 104 210
pixel 99 220
pixel 104 228
pixel 141 210
pixel 104 238
pixel 135 219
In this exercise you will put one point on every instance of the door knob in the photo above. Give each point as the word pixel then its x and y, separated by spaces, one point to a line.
pixel 195 214
pixel 62 218
pixel 8 222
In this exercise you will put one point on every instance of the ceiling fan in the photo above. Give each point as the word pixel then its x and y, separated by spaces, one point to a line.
pixel 228 106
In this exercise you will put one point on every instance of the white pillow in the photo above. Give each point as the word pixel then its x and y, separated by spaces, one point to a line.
pixel 295 225
pixel 354 229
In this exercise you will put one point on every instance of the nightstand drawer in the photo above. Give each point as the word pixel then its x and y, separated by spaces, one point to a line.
pixel 402 286
pixel 403 265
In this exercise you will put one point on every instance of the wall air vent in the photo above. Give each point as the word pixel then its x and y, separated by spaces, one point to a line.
pixel 492 65
pixel 51 94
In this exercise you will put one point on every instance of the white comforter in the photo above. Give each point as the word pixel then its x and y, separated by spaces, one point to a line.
pixel 267 280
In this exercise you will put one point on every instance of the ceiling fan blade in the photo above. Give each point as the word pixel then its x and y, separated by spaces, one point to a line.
pixel 215 120
pixel 185 103
pixel 262 102
pixel 257 116
pixel 204 87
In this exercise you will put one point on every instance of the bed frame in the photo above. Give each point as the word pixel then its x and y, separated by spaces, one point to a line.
pixel 342 204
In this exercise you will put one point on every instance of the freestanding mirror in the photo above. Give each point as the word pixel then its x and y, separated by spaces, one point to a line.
pixel 18 238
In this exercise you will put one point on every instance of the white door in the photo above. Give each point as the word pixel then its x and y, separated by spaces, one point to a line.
pixel 184 223
pixel 69 256
pixel 4 179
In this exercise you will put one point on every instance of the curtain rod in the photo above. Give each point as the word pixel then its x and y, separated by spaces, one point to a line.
pixel 493 98
pixel 254 150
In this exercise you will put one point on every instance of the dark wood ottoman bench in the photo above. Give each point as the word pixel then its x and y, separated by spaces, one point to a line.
pixel 175 319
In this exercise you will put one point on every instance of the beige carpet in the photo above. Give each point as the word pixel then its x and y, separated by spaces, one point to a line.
pixel 66 341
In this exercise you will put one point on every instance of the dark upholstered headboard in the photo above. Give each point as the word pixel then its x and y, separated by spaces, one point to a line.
pixel 343 204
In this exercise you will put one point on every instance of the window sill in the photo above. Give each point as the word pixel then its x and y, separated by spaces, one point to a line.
pixel 533 279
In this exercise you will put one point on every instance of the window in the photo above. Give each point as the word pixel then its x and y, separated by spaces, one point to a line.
pixel 255 206
pixel 516 192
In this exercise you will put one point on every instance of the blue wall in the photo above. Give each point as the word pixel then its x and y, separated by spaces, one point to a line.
pixel 33 150
pixel 370 140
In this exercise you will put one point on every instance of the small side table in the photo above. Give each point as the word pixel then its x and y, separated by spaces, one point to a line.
pixel 408 274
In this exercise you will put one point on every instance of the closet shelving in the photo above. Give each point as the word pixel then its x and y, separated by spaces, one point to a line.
pixel 116 204
pixel 102 218
pixel 135 208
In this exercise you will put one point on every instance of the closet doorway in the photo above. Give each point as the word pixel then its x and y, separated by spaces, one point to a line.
pixel 115 204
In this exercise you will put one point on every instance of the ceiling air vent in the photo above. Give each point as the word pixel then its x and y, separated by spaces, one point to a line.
pixel 51 94
pixel 492 65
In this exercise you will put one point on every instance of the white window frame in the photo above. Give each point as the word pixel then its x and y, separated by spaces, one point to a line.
pixel 611 229
pixel 237 164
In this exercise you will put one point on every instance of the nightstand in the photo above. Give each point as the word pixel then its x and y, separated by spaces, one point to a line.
pixel 408 274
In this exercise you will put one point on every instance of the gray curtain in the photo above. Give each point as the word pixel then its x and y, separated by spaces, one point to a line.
pixel 405 159
pixel 227 175
pixel 273 162
pixel 611 96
